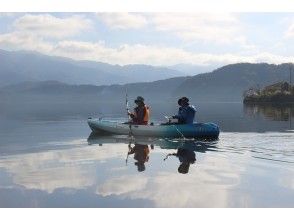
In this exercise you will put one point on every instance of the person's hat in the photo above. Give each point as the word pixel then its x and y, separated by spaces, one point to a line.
pixel 179 101
pixel 140 166
pixel 139 99
pixel 185 99
pixel 184 168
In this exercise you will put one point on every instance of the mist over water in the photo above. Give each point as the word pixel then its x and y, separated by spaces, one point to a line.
pixel 230 116
pixel 49 158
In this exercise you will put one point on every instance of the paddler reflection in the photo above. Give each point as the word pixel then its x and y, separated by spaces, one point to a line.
pixel 141 154
pixel 186 157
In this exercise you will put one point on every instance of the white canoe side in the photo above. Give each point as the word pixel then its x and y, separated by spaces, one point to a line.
pixel 196 130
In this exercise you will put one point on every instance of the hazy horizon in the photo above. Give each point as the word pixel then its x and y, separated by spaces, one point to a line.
pixel 206 40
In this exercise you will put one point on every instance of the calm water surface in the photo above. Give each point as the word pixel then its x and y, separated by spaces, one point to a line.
pixel 49 163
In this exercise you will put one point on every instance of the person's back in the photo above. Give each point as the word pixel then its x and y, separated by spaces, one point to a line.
pixel 187 114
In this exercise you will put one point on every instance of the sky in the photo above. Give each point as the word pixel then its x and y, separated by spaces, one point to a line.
pixel 153 38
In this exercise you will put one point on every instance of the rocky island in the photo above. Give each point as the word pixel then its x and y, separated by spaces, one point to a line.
pixel 281 92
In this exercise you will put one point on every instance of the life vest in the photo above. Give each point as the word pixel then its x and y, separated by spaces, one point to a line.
pixel 147 113
pixel 145 118
pixel 141 153
pixel 146 151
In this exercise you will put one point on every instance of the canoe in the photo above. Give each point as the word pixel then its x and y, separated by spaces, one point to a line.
pixel 196 130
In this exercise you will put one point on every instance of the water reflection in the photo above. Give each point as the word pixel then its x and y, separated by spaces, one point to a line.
pixel 275 112
pixel 140 147
pixel 186 157
pixel 141 155
pixel 239 170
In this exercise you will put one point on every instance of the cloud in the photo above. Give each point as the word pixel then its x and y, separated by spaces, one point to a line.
pixel 123 20
pixel 290 31
pixel 73 167
pixel 7 14
pixel 46 25
pixel 114 186
pixel 218 28
pixel 76 168
pixel 199 188
pixel 138 53
pixel 130 54
pixel 36 31
pixel 24 41
pixel 154 55
pixel 288 179
pixel 46 171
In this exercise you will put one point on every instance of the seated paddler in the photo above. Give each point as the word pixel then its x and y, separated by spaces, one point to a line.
pixel 186 112
pixel 140 116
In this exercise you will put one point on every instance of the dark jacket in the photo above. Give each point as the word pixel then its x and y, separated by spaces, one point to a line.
pixel 186 158
pixel 186 114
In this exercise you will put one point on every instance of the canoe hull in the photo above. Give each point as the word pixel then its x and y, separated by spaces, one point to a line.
pixel 196 130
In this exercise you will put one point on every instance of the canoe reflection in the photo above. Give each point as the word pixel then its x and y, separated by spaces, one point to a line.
pixel 140 148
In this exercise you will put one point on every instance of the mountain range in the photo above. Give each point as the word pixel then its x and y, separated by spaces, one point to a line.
pixel 20 66
pixel 29 73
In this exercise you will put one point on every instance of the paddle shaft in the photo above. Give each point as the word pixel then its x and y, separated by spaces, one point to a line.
pixel 127 108
pixel 175 127
pixel 179 132
pixel 127 105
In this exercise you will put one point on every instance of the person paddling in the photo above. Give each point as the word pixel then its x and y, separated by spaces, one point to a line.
pixel 140 116
pixel 186 112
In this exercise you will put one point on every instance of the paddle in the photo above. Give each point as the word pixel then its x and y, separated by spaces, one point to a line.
pixel 173 154
pixel 129 147
pixel 127 105
pixel 128 111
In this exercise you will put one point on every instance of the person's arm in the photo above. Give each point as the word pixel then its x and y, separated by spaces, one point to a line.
pixel 133 115
pixel 131 150
pixel 182 115
pixel 177 116
pixel 173 154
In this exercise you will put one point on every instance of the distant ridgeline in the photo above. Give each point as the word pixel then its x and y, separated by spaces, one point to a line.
pixel 281 92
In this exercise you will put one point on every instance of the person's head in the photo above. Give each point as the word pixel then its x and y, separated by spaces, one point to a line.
pixel 184 101
pixel 139 100
pixel 184 168
pixel 140 166
pixel 180 102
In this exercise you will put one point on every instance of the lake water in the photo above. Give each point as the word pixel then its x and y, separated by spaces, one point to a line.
pixel 59 163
